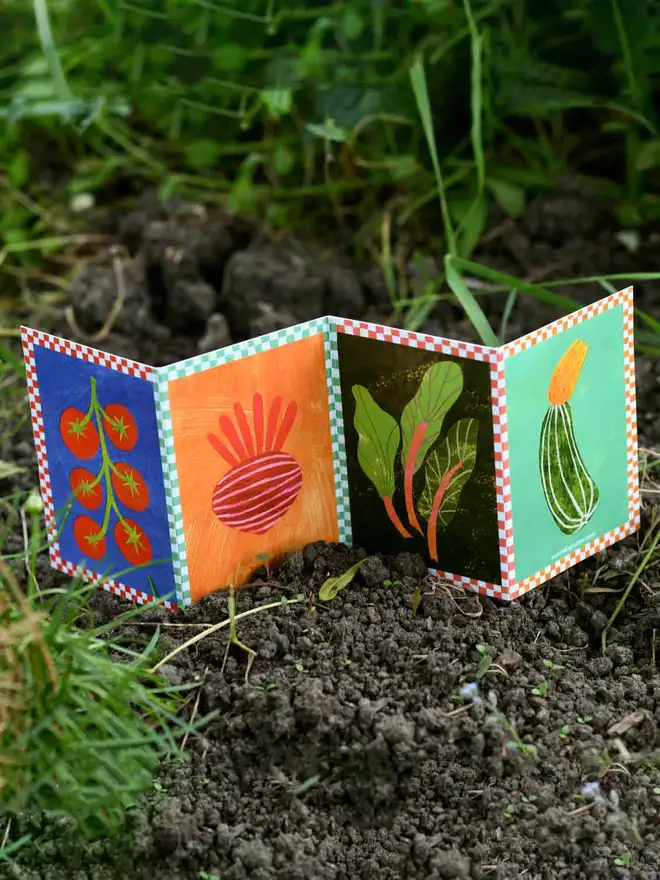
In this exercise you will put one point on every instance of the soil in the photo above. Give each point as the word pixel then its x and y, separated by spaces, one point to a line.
pixel 349 753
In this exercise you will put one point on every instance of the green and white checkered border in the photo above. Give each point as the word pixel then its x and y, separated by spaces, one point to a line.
pixel 337 434
pixel 172 494
pixel 241 350
pixel 165 375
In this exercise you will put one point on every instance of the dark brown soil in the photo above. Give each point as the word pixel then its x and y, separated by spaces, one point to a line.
pixel 349 753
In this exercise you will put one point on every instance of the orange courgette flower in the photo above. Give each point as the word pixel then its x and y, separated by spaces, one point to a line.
pixel 567 372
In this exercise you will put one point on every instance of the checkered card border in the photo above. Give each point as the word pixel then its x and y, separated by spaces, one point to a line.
pixel 411 338
pixel 189 367
pixel 337 435
pixel 34 338
pixel 502 474
pixel 484 588
pixel 620 298
pixel 240 350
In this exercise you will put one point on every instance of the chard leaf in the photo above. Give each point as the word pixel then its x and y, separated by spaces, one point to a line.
pixel 460 445
pixel 378 442
pixel 440 388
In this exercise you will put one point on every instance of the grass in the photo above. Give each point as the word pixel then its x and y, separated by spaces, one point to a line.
pixel 302 113
pixel 350 70
pixel 83 722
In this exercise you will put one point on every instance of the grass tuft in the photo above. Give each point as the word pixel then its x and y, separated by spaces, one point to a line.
pixel 83 722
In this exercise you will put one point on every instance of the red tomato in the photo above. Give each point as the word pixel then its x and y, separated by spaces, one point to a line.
pixel 121 427
pixel 81 439
pixel 130 488
pixel 88 537
pixel 132 542
pixel 80 480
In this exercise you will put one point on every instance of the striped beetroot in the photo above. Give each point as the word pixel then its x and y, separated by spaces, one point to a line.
pixel 264 482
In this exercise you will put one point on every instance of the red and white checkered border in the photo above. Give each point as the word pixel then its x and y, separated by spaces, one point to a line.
pixel 412 339
pixel 484 588
pixel 571 559
pixel 503 496
pixel 85 353
pixel 502 474
pixel 620 298
pixel 29 339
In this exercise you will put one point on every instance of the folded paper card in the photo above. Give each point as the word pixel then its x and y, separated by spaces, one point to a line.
pixel 502 467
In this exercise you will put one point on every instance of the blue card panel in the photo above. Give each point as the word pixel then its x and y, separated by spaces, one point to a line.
pixel 104 465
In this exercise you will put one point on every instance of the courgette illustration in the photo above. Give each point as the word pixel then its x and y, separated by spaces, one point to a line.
pixel 570 493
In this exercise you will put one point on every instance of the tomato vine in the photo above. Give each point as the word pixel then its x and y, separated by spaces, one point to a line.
pixel 84 434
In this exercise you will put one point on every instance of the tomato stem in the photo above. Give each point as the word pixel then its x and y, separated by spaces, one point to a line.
pixel 394 517
pixel 107 465
pixel 409 473
pixel 432 530
pixel 93 403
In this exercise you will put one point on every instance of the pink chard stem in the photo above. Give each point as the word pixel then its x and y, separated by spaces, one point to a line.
pixel 409 473
pixel 432 531
pixel 394 517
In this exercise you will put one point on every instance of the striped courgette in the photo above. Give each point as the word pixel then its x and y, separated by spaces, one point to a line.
pixel 570 493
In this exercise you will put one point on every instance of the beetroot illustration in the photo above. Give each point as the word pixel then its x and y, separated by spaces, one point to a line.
pixel 264 481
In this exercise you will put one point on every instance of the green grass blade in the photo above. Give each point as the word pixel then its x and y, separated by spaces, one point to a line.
pixel 421 92
pixel 631 583
pixel 626 52
pixel 10 849
pixel 9 359
pixel 49 49
pixel 509 306
pixel 476 96
pixel 470 305
pixel 510 282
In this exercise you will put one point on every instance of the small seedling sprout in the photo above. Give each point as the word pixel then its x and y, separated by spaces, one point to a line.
pixel 233 636
pixel 496 718
pixel 485 662
pixel 332 586
pixel 216 627
pixel 305 786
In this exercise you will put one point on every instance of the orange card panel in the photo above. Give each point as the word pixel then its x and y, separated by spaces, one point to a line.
pixel 253 450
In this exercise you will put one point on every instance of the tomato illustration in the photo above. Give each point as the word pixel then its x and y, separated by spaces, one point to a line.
pixel 129 487
pixel 88 537
pixel 120 426
pixel 80 438
pixel 90 496
pixel 132 542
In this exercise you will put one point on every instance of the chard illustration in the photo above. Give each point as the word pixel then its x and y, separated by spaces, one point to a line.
pixel 421 423
pixel 570 493
pixel 378 441
pixel 448 469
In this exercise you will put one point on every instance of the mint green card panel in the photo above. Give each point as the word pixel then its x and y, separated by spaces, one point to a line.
pixel 568 465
